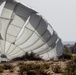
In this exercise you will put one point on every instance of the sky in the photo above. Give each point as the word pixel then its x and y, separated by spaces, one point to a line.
pixel 61 14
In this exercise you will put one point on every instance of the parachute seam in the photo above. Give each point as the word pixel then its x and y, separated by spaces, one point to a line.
pixel 1 47
pixel 37 40
pixel 33 32
pixel 46 43
pixel 50 47
pixel 43 44
pixel 12 16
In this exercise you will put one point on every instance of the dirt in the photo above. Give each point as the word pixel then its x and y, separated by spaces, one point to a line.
pixel 49 71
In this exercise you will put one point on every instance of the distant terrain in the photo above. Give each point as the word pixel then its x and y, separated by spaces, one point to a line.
pixel 68 42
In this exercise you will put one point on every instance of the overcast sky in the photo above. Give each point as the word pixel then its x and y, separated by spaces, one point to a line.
pixel 61 14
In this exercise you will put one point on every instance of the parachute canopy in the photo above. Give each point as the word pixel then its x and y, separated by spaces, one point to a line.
pixel 24 30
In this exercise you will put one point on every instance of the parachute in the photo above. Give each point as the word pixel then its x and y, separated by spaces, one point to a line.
pixel 23 30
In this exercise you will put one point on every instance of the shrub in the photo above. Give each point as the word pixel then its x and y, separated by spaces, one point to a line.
pixel 56 68
pixel 67 56
pixel 70 68
pixel 34 67
pixel 1 69
pixel 28 56
pixel 36 72
pixel 66 49
pixel 74 58
pixel 8 67
pixel 32 72
pixel 32 56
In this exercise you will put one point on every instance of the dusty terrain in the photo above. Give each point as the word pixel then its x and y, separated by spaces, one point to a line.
pixel 49 71
pixel 16 70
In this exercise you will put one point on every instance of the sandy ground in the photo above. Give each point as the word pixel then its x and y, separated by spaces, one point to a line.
pixel 61 62
pixel 16 69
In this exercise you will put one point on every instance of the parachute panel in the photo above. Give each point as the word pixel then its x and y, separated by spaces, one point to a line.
pixel 24 37
pixel 8 10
